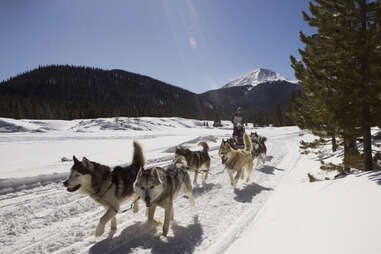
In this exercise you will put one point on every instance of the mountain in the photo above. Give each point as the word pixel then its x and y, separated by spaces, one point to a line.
pixel 68 92
pixel 257 77
pixel 263 98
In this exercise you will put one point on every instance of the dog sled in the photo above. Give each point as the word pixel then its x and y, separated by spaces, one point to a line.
pixel 236 141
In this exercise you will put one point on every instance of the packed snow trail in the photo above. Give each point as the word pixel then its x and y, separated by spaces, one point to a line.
pixel 47 218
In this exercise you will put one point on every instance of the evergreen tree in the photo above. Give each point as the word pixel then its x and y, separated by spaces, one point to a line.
pixel 340 71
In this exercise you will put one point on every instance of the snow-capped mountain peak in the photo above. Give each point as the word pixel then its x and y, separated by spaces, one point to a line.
pixel 256 77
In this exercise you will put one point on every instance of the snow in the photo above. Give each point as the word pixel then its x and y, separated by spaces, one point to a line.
pixel 334 216
pixel 257 77
pixel 279 211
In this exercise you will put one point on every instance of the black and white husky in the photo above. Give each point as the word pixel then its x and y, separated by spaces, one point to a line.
pixel 259 148
pixel 110 188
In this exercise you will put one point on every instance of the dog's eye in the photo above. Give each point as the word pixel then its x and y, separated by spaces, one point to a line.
pixel 142 188
pixel 152 187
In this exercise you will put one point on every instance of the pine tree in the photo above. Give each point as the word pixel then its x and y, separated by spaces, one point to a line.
pixel 340 71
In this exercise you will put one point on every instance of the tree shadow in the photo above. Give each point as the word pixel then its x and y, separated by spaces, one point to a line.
pixel 141 235
pixel 199 190
pixel 247 194
pixel 373 176
pixel 268 169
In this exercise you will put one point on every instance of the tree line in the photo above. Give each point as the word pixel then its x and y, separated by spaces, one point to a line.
pixel 72 92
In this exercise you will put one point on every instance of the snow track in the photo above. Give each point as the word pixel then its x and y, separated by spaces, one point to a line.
pixel 48 219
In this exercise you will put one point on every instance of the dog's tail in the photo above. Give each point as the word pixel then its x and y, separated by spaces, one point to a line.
pixel 204 146
pixel 138 157
pixel 247 141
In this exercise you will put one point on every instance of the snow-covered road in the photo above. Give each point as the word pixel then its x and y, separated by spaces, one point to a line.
pixel 45 218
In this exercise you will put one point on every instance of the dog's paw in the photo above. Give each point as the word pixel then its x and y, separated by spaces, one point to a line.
pixel 160 237
pixel 156 223
pixel 100 230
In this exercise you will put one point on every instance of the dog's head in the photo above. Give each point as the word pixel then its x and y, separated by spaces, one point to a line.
pixel 180 162
pixel 224 150
pixel 80 175
pixel 182 151
pixel 253 135
pixel 149 185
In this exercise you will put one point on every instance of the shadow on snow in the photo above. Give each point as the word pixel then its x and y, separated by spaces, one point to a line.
pixel 141 235
pixel 374 176
pixel 268 169
pixel 248 192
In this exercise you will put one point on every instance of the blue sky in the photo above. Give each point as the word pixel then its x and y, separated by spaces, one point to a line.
pixel 195 44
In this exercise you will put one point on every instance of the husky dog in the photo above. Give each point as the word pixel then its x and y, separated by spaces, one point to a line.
pixel 237 159
pixel 196 160
pixel 160 187
pixel 108 188
pixel 259 148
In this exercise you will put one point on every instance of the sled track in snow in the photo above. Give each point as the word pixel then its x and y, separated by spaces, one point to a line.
pixel 47 218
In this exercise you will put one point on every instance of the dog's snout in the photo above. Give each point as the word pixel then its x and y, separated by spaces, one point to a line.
pixel 147 199
pixel 66 183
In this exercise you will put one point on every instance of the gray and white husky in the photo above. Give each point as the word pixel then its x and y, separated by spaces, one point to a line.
pixel 160 187
pixel 196 160
pixel 110 188
pixel 259 148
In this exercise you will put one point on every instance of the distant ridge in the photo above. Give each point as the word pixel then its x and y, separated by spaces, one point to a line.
pixel 72 92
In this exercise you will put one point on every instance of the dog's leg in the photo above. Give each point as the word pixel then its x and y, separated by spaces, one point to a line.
pixel 167 218
pixel 172 214
pixel 195 177
pixel 187 189
pixel 230 173
pixel 110 213
pixel 206 173
pixel 113 224
pixel 263 159
pixel 249 169
pixel 237 176
pixel 151 215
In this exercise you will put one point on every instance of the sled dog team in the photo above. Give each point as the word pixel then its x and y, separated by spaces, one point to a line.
pixel 158 186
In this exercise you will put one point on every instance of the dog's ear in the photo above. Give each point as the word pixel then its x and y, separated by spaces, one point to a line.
pixel 156 174
pixel 76 161
pixel 87 164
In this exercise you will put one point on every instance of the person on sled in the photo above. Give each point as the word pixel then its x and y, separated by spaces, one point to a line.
pixel 238 126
